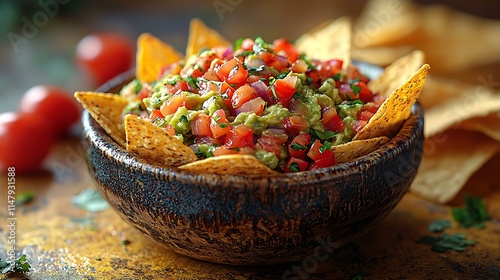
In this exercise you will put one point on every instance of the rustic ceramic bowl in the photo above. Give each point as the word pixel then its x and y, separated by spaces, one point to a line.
pixel 252 221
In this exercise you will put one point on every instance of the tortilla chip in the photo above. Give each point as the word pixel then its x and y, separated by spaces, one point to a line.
pixel 489 125
pixel 230 164
pixel 329 42
pixel 475 103
pixel 354 149
pixel 154 144
pixel 202 37
pixel 438 91
pixel 387 23
pixel 106 109
pixel 449 161
pixel 152 55
pixel 395 109
pixel 381 56
pixel 397 73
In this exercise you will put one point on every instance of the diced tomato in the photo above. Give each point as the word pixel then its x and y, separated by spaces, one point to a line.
pixel 324 70
pixel 211 75
pixel 358 125
pixel 173 103
pixel 219 125
pixel 178 87
pixel 144 92
pixel 296 165
pixel 247 44
pixel 239 136
pixel 285 88
pixel 331 120
pixel 295 124
pixel 290 50
pixel 267 57
pixel 271 141
pixel 225 150
pixel 354 74
pixel 253 79
pixel 201 125
pixel 232 72
pixel 242 95
pixel 299 66
pixel 173 68
pixel 169 129
pixel 156 114
pixel 255 105
pixel 364 115
pixel 300 145
pixel 364 94
pixel 323 157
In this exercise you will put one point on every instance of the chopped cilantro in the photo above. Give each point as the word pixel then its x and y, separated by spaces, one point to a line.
pixel 309 80
pixel 356 102
pixel 337 77
pixel 306 60
pixel 282 75
pixel 19 264
pixel 256 70
pixel 322 135
pixel 237 44
pixel 192 82
pixel 294 167
pixel 300 96
pixel 447 242
pixel 326 146
pixel 356 89
pixel 210 151
pixel 138 86
pixel 24 197
pixel 473 214
pixel 90 200
pixel 439 225
pixel 183 119
pixel 125 242
pixel 297 147
pixel 260 45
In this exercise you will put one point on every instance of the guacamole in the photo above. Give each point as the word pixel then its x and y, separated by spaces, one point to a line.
pixel 264 99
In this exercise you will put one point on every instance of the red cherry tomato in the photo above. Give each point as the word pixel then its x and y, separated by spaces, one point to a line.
pixel 24 141
pixel 53 104
pixel 105 55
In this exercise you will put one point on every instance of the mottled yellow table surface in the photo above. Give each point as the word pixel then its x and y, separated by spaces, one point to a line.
pixel 65 242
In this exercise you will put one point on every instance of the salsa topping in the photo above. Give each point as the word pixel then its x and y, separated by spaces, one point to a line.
pixel 258 98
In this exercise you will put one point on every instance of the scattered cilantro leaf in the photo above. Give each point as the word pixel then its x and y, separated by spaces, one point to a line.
pixel 356 102
pixel 294 167
pixel 326 146
pixel 439 225
pixel 125 242
pixel 447 242
pixel 260 45
pixel 356 89
pixel 307 61
pixel 337 77
pixel 19 264
pixel 192 82
pixel 183 119
pixel 90 200
pixel 256 70
pixel 24 197
pixel 283 75
pixel 300 97
pixel 322 135
pixel 237 44
pixel 473 214
pixel 297 147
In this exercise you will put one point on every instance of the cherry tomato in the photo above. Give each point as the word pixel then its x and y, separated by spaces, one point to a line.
pixel 105 55
pixel 53 104
pixel 24 141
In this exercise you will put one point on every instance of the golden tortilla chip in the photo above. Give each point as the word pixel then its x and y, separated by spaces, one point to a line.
pixel 106 109
pixel 154 144
pixel 230 164
pixel 449 161
pixel 329 42
pixel 387 23
pixel 152 55
pixel 355 149
pixel 381 56
pixel 395 109
pixel 476 103
pixel 397 73
pixel 202 37
pixel 489 125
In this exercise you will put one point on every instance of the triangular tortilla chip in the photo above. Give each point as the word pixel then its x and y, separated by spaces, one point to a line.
pixel 230 164
pixel 449 161
pixel 355 149
pixel 152 55
pixel 330 42
pixel 202 37
pixel 488 125
pixel 395 109
pixel 151 142
pixel 397 73
pixel 106 109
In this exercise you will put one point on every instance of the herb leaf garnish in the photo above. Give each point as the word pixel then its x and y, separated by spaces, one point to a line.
pixel 18 265
pixel 447 242
pixel 439 225
pixel 473 214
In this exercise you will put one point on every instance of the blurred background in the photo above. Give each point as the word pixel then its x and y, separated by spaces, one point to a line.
pixel 46 56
